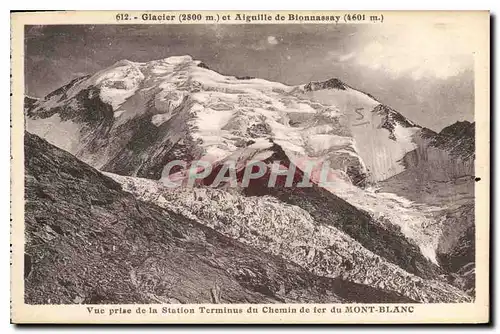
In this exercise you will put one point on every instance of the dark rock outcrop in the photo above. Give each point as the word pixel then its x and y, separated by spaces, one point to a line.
pixel 333 83
pixel 29 102
pixel 390 119
pixel 458 139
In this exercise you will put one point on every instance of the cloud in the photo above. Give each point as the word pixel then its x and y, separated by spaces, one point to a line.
pixel 439 51
pixel 265 44
pixel 272 40
pixel 346 57
pixel 339 57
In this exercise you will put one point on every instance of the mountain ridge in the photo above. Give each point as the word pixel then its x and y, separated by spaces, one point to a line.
pixel 178 85
pixel 131 119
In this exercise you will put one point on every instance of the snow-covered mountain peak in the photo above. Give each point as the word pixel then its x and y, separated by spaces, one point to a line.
pixel 190 111
pixel 168 60
pixel 382 135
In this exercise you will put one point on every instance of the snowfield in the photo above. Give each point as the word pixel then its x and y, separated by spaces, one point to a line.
pixel 220 110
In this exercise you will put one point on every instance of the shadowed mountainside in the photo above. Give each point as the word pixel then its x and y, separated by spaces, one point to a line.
pixel 87 241
pixel 440 172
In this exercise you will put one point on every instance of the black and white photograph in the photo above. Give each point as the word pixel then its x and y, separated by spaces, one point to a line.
pixel 250 163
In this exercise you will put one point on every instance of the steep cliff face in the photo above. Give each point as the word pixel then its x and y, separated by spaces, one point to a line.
pixel 444 156
pixel 89 242
pixel 441 172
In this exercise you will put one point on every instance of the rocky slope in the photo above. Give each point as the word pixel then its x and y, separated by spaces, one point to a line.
pixel 313 242
pixel 87 241
pixel 29 102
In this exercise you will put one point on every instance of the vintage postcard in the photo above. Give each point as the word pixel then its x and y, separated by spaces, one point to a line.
pixel 250 167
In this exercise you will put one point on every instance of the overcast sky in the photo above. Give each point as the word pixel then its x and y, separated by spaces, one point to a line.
pixel 426 73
